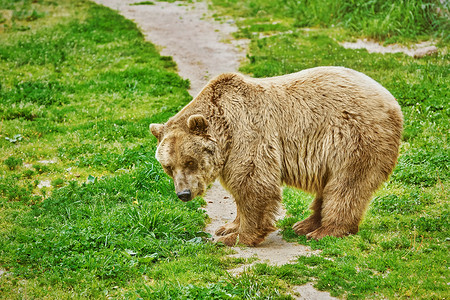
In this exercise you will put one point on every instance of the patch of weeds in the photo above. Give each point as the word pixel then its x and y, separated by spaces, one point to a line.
pixel 298 209
pixel 2 18
pixel 114 130
pixel 150 178
pixel 401 242
pixel 28 15
pixel 58 182
pixel 139 79
pixel 114 161
pixel 11 190
pixel 38 92
pixel 294 273
pixel 41 168
pixel 13 162
pixel 247 286
pixel 28 174
pixel 26 110
pixel 404 204
pixel 71 151
pixel 432 223
pixel 423 166
pixel 168 62
pixel 143 3
pixel 250 31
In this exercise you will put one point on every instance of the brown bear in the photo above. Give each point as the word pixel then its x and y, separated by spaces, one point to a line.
pixel 330 131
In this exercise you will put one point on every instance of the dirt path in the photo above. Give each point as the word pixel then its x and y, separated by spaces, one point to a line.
pixel 202 49
pixel 416 51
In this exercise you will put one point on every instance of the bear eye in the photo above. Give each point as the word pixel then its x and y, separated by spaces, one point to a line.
pixel 190 164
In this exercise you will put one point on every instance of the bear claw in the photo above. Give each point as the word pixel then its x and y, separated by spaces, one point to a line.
pixel 235 238
pixel 306 226
pixel 227 229
pixel 230 239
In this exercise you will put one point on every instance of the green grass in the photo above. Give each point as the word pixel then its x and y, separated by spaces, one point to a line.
pixel 389 21
pixel 144 3
pixel 87 212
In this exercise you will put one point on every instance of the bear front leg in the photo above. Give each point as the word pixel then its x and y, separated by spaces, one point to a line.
pixel 257 218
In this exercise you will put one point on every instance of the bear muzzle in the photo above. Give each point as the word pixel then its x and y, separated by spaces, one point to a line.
pixel 185 195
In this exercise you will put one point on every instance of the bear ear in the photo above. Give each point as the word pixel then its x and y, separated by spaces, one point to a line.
pixel 197 124
pixel 156 130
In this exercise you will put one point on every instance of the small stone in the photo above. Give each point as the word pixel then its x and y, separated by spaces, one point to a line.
pixel 421 52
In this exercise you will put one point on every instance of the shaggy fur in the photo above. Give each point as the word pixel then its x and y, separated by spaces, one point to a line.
pixel 330 131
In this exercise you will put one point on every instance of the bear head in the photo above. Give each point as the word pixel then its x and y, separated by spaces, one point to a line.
pixel 188 154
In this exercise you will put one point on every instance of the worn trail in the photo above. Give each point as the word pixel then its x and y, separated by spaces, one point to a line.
pixel 202 49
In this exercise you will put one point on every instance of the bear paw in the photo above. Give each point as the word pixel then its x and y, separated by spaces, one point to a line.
pixel 306 226
pixel 227 229
pixel 235 238
pixel 229 239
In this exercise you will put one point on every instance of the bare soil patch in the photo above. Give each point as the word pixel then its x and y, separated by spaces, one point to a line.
pixel 417 51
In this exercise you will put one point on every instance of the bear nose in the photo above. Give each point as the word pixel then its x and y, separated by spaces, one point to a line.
pixel 185 195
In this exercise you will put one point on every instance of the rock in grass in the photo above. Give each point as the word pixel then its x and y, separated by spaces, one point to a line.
pixel 421 52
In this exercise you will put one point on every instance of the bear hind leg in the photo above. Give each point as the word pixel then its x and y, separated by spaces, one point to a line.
pixel 344 204
pixel 313 221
